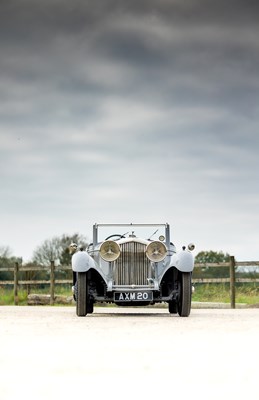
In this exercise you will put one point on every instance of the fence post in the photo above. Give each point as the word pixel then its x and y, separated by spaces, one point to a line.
pixel 15 284
pixel 232 282
pixel 28 286
pixel 52 282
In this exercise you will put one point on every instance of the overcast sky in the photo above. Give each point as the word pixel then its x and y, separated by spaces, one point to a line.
pixel 130 111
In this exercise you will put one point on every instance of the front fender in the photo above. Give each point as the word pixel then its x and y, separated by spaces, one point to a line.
pixel 183 261
pixel 82 262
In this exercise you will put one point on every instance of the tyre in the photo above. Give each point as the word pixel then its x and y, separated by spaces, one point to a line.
pixel 81 294
pixel 185 299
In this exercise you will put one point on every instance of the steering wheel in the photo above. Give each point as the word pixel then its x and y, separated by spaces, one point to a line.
pixel 117 235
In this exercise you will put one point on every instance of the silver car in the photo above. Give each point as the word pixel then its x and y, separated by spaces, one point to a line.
pixel 133 265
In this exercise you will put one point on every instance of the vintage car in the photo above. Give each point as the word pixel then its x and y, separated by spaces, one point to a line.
pixel 137 265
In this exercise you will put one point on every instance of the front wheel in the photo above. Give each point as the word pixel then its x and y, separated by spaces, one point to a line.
pixel 84 304
pixel 185 299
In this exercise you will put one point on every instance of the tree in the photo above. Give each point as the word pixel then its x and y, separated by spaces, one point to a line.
pixel 7 260
pixel 66 240
pixel 5 252
pixel 206 257
pixel 57 249
pixel 211 257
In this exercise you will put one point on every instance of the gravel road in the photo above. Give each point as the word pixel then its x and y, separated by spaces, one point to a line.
pixel 125 353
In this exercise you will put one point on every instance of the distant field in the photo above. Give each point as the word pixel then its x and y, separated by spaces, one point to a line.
pixel 247 293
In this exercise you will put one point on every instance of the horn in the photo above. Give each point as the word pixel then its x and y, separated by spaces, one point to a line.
pixel 156 251
pixel 109 250
pixel 191 246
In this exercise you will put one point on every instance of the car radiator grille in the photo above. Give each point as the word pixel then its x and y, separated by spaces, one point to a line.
pixel 132 267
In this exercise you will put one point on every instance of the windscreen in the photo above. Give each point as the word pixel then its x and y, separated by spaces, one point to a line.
pixel 114 231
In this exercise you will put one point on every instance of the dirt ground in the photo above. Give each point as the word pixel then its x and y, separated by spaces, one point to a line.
pixel 125 353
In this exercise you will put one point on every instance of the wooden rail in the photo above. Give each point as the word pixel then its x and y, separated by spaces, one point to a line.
pixel 232 279
pixel 52 281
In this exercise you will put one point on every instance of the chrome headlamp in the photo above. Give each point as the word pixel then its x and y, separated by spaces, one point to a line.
pixel 156 251
pixel 109 250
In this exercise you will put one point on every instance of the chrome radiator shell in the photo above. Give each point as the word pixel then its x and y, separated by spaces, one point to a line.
pixel 132 267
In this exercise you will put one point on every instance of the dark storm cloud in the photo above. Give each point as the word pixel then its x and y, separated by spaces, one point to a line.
pixel 171 52
pixel 60 60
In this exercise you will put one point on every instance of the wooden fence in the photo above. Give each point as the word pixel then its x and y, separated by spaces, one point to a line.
pixel 232 279
pixel 52 281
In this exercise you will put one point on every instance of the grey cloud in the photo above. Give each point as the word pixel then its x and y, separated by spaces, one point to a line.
pixel 165 61
pixel 151 105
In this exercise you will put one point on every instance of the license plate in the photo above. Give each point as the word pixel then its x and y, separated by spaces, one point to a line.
pixel 133 296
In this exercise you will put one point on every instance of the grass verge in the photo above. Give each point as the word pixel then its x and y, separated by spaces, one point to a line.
pixel 219 292
pixel 245 293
